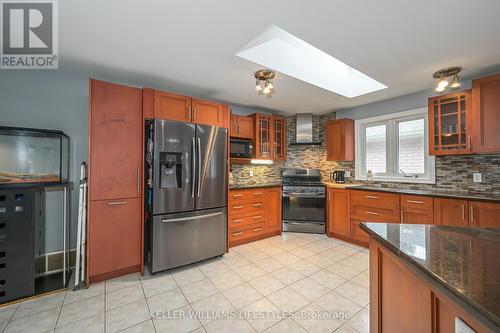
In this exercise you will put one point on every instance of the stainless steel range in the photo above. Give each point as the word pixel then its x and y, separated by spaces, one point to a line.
pixel 303 201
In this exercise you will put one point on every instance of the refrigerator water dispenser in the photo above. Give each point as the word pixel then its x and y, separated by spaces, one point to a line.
pixel 170 170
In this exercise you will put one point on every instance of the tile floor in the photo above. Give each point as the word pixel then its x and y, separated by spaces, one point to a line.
pixel 290 283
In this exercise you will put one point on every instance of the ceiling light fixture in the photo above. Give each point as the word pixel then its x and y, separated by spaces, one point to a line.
pixel 443 82
pixel 264 84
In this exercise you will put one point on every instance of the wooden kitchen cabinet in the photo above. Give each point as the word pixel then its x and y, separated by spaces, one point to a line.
pixel 263 136
pixel 450 124
pixel 451 212
pixel 171 106
pixel 486 114
pixel 338 204
pixel 417 209
pixel 209 113
pixel 242 127
pixel 484 214
pixel 273 207
pixel 279 134
pixel 340 140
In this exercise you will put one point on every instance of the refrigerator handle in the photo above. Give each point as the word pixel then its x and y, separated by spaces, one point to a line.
pixel 199 166
pixel 194 168
pixel 190 218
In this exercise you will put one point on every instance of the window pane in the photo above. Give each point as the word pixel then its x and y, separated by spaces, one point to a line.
pixel 412 146
pixel 376 155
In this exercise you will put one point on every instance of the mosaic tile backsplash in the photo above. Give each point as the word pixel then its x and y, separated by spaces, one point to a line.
pixel 452 172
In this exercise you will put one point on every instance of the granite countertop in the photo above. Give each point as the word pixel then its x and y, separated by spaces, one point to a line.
pixel 249 186
pixel 483 196
pixel 332 184
pixel 461 260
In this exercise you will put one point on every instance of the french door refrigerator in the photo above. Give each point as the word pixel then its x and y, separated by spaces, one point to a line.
pixel 186 167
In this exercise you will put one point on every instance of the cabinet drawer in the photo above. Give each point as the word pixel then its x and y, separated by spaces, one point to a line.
pixel 238 233
pixel 239 220
pixel 376 198
pixel 357 233
pixel 243 208
pixel 416 201
pixel 365 212
pixel 252 195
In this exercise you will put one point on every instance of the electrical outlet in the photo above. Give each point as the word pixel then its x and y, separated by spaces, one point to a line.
pixel 477 177
pixel 251 173
pixel 348 174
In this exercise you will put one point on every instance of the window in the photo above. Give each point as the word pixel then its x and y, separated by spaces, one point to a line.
pixel 394 148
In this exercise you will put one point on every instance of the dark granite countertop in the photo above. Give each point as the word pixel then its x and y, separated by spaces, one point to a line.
pixel 460 260
pixel 482 196
pixel 243 187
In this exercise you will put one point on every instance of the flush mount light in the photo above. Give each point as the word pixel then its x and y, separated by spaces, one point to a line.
pixel 283 52
pixel 447 78
pixel 264 84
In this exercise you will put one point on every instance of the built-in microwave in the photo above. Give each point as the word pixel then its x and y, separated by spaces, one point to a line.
pixel 241 148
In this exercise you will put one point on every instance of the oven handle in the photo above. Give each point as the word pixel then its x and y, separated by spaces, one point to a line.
pixel 302 195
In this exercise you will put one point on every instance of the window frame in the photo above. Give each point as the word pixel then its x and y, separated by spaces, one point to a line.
pixel 392 148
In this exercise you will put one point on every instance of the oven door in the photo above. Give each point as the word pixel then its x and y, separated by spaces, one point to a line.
pixel 304 212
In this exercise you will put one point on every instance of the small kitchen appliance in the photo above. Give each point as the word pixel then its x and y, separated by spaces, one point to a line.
pixel 338 176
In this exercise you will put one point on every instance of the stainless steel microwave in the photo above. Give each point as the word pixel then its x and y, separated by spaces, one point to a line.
pixel 241 148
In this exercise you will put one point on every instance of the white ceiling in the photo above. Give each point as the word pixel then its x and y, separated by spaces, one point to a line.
pixel 190 46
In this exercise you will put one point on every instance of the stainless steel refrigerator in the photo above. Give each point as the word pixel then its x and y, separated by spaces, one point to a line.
pixel 187 192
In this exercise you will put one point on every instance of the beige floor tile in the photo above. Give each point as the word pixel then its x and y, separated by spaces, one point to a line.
pixel 269 265
pixel 338 304
pixel 39 304
pixel 123 296
pixel 345 329
pixel 212 308
pixel 249 272
pixel 6 312
pixel 182 320
pixel 321 260
pixel 187 275
pixel 309 288
pixel 229 326
pixel 158 284
pixel 34 323
pixel 285 326
pixel 287 275
pixel 327 279
pixel 123 282
pixel 348 268
pixel 199 330
pixel 286 258
pixel 266 284
pixel 305 267
pixel 362 279
pixel 167 301
pixel 308 319
pixel 363 256
pixel 303 253
pixel 257 256
pixel 289 300
pixel 94 324
pixel 271 250
pixel 262 314
pixel 242 295
pixel 234 261
pixel 354 293
pixel 361 321
pixel 144 327
pixel 82 309
pixel 226 280
pixel 126 316
pixel 213 267
pixel 95 289
pixel 198 290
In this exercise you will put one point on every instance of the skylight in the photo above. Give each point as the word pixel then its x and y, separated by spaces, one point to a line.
pixel 283 52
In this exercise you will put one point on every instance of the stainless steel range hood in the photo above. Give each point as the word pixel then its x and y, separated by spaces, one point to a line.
pixel 304 130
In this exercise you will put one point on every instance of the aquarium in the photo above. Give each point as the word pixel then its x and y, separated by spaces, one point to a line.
pixel 33 155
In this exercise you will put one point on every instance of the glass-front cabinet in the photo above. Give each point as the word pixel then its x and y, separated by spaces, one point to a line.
pixel 33 156
pixel 279 138
pixel 450 124
pixel 263 138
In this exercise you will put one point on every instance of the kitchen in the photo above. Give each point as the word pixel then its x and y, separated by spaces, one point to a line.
pixel 263 198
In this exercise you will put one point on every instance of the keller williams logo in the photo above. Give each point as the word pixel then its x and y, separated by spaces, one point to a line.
pixel 29 34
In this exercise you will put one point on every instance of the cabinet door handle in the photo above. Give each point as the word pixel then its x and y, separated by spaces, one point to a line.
pixel 402 216
pixel 138 181
pixel 415 202
pixel 257 194
pixel 463 212
pixel 116 203
pixel 371 213
pixel 237 221
pixel 471 213
pixel 371 197
pixel 468 142
pixel 237 233
pixel 194 113
pixel 237 195
pixel 257 217
pixel 188 114
pixel 257 229
pixel 257 205
pixel 237 207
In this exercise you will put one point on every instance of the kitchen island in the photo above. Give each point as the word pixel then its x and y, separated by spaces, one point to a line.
pixel 427 278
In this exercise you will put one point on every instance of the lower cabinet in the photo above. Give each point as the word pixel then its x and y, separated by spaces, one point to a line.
pixel 484 214
pixel 338 212
pixel 254 214
pixel 114 237
pixel 417 209
pixel 451 212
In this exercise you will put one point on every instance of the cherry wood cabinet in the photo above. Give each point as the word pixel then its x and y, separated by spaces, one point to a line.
pixel 209 113
pixel 279 135
pixel 172 106
pixel 242 127
pixel 263 136
pixel 450 124
pixel 484 214
pixel 273 207
pixel 115 180
pixel 417 209
pixel 340 140
pixel 486 114
pixel 451 212
pixel 338 204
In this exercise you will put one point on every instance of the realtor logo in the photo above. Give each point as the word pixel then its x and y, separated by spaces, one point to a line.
pixel 29 34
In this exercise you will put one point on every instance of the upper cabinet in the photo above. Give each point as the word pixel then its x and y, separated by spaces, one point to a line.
pixel 279 128
pixel 242 127
pixel 169 106
pixel 263 136
pixel 450 124
pixel 486 114
pixel 340 140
